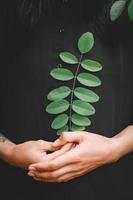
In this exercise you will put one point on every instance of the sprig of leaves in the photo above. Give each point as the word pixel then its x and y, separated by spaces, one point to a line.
pixel 118 8
pixel 76 102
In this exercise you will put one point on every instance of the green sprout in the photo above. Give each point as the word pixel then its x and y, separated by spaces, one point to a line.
pixel 73 105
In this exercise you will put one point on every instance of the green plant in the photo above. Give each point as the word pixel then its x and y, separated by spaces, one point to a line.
pixel 78 107
pixel 119 6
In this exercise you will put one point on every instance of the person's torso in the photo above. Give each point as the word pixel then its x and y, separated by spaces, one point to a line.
pixel 26 82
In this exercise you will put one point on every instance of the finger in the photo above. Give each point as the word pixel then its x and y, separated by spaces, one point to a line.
pixel 38 179
pixel 47 146
pixel 31 173
pixel 73 137
pixel 69 157
pixel 65 178
pixel 54 175
pixel 70 176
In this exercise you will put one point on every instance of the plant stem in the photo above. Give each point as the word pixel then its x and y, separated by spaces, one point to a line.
pixel 72 92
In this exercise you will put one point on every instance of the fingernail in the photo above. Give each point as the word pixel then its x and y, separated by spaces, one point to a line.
pixel 30 174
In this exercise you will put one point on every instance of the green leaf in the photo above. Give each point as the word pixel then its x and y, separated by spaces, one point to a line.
pixel 88 80
pixel 83 108
pixel 60 121
pixel 86 42
pixel 62 74
pixel 86 95
pixel 59 93
pixel 130 10
pixel 80 120
pixel 57 107
pixel 77 128
pixel 117 9
pixel 68 58
pixel 91 65
pixel 60 131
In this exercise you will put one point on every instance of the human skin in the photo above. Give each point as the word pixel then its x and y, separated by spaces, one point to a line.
pixel 22 155
pixel 90 152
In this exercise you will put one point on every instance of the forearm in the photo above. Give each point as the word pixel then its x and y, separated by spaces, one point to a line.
pixel 6 147
pixel 124 142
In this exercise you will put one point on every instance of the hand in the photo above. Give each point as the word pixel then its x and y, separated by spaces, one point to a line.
pixel 22 155
pixel 91 151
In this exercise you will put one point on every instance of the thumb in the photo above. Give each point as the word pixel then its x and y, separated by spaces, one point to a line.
pixel 47 146
pixel 68 137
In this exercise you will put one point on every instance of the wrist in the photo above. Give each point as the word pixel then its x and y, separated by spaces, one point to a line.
pixel 116 149
pixel 112 153
pixel 6 151
pixel 122 144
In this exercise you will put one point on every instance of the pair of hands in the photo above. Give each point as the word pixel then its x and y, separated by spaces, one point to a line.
pixel 73 154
